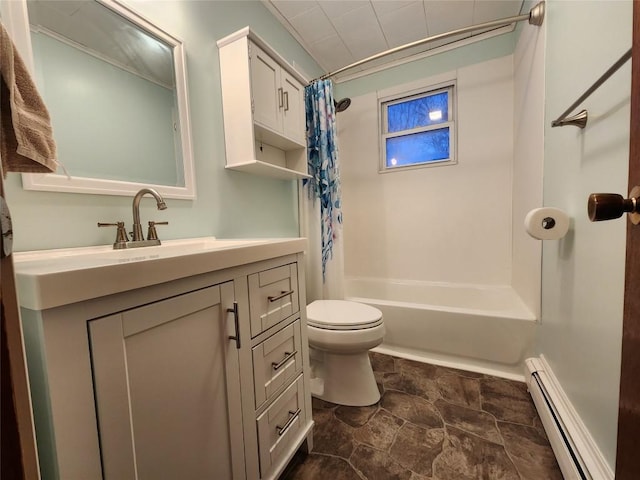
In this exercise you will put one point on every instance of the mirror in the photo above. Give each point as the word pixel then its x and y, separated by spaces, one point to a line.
pixel 115 86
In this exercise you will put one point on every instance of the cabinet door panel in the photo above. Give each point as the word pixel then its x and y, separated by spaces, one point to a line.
pixel 294 120
pixel 161 390
pixel 267 95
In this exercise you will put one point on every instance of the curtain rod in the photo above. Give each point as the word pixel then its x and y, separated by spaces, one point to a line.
pixel 535 17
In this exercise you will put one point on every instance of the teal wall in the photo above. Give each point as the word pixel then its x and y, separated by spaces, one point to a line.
pixel 228 204
pixel 583 274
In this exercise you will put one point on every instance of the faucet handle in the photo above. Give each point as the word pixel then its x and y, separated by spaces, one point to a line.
pixel 152 234
pixel 121 234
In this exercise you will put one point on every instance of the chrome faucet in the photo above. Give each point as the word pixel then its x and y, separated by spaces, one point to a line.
pixel 137 228
pixel 122 241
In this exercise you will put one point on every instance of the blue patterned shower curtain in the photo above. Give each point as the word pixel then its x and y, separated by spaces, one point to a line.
pixel 322 157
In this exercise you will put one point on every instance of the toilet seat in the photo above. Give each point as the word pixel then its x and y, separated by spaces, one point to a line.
pixel 342 315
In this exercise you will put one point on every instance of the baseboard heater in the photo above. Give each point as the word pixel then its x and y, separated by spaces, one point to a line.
pixel 578 456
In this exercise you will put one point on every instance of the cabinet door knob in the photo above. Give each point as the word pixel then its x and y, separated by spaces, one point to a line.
pixel 280 101
pixel 607 206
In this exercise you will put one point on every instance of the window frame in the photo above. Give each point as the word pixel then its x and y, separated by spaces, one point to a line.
pixel 383 134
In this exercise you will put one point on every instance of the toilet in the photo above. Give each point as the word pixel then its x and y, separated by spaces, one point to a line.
pixel 340 335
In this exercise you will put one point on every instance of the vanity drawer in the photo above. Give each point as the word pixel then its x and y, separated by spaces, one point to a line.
pixel 276 361
pixel 280 425
pixel 273 296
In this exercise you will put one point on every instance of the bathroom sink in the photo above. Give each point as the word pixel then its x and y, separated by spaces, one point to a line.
pixel 50 278
pixel 101 255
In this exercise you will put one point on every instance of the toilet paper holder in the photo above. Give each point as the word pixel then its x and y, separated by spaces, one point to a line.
pixel 547 223
pixel 607 206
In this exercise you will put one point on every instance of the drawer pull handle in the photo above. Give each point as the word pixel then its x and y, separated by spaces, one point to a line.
pixel 236 323
pixel 293 416
pixel 278 297
pixel 287 356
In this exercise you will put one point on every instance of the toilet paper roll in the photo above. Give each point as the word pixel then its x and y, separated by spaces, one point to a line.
pixel 547 223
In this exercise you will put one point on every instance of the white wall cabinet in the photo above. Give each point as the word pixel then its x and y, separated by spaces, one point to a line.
pixel 263 108
pixel 278 98
pixel 152 383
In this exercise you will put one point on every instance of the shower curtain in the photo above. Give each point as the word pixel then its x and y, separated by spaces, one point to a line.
pixel 322 206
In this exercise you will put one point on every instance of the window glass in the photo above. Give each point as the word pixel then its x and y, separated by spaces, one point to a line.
pixel 418 129
pixel 422 147
pixel 418 113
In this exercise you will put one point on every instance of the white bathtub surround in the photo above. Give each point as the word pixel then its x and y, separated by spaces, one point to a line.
pixel 528 159
pixel 448 223
pixel 471 327
pixel 468 288
pixel 575 449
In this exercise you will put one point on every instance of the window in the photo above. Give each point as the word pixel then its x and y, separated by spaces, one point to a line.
pixel 418 130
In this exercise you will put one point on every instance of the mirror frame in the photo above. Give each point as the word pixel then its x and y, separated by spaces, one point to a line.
pixel 16 19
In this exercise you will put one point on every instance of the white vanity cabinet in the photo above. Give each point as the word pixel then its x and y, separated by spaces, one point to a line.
pixel 263 108
pixel 154 367
pixel 172 380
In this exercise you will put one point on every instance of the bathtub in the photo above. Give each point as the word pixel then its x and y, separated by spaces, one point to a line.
pixel 482 328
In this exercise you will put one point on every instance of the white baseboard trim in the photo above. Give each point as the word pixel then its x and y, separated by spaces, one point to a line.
pixel 577 453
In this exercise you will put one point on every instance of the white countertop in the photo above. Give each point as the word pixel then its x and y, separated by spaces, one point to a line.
pixel 51 278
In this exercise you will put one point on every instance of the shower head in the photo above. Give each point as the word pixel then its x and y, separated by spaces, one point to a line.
pixel 342 104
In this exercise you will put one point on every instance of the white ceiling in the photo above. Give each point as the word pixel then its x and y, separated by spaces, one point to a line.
pixel 339 32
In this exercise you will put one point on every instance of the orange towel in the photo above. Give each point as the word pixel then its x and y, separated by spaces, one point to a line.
pixel 26 137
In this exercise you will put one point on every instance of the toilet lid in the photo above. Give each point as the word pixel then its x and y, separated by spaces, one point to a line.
pixel 342 315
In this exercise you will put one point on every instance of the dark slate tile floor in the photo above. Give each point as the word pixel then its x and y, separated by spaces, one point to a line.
pixel 432 423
